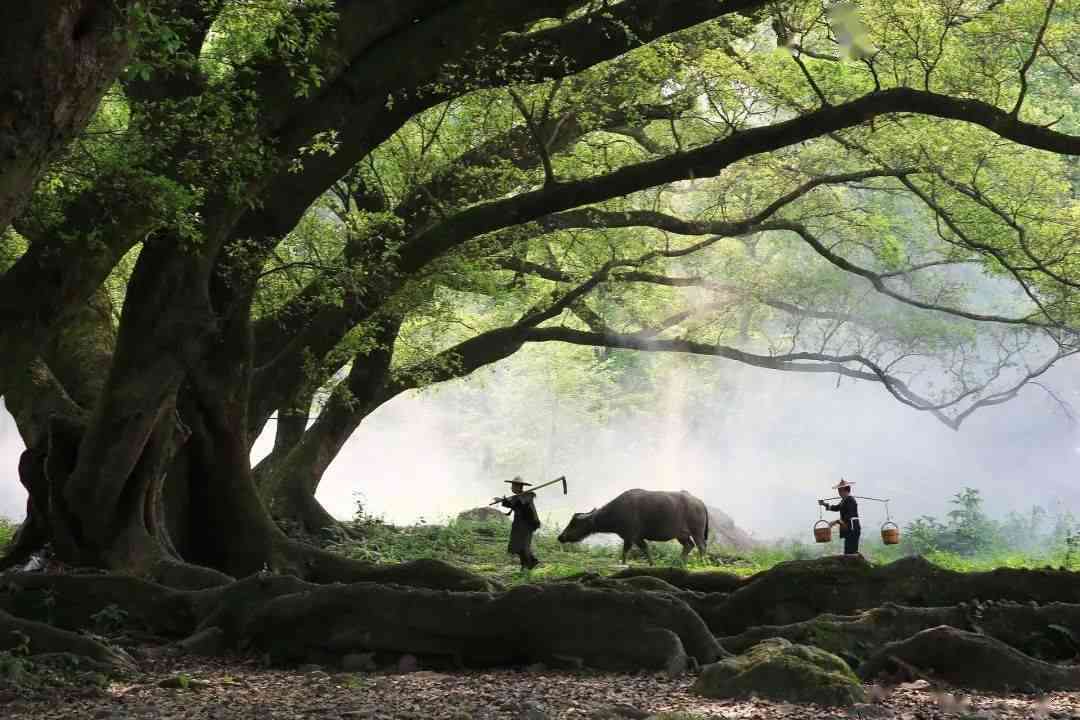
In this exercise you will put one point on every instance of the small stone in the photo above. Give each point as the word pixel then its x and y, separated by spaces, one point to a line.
pixel 915 685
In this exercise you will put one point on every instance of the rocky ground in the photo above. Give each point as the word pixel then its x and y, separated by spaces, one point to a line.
pixel 228 689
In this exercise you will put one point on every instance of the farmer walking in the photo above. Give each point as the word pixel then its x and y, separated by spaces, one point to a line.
pixel 526 522
pixel 850 528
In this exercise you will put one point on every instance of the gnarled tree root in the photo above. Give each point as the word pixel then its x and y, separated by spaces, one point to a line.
pixel 35 638
pixel 800 590
pixel 296 621
pixel 605 629
pixel 709 581
pixel 970 660
pixel 321 566
pixel 71 601
pixel 1047 632
pixel 852 637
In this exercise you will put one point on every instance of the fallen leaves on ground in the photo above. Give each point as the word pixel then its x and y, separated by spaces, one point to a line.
pixel 212 689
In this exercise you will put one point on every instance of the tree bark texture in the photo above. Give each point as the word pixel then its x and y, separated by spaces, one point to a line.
pixel 297 622
pixel 57 58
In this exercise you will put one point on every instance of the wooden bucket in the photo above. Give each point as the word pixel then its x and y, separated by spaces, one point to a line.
pixel 822 531
pixel 890 533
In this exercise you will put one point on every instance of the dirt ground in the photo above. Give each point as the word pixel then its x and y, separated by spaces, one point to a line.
pixel 224 690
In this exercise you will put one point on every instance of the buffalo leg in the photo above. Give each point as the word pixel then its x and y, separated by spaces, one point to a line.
pixel 626 545
pixel 645 550
pixel 701 542
pixel 687 547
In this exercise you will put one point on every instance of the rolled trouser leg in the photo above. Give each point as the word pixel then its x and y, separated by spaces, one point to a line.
pixel 851 543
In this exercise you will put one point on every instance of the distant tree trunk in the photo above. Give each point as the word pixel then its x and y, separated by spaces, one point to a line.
pixel 290 475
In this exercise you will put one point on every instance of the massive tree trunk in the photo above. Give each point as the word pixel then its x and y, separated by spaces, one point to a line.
pixel 177 394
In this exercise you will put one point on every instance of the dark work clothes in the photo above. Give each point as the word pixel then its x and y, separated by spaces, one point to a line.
pixel 850 526
pixel 526 522
pixel 851 542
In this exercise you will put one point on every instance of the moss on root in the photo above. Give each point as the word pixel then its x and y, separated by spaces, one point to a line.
pixel 780 670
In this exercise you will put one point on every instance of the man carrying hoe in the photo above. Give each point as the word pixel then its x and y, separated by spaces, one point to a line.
pixel 526 522
pixel 850 528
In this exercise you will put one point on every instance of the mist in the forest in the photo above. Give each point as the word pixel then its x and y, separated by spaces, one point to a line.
pixel 761 445
pixel 12 495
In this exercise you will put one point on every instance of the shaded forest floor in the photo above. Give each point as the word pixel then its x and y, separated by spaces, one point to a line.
pixel 176 686
pixel 219 689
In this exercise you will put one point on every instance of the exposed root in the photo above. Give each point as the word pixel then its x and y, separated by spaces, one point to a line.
pixel 184 576
pixel 72 601
pixel 707 582
pixel 853 638
pixel 971 660
pixel 605 629
pixel 800 590
pixel 321 566
pixel 35 638
pixel 638 622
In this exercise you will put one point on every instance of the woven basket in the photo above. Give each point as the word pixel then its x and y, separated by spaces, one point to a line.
pixel 822 531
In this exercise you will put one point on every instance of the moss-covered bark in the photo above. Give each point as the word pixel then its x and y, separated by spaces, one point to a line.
pixel 776 669
pixel 32 638
pixel 297 622
pixel 800 590
pixel 856 637
pixel 969 660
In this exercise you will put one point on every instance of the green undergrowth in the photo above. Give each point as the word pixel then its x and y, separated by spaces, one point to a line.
pixel 7 532
pixel 481 547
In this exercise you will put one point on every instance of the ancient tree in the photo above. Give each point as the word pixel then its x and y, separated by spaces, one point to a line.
pixel 244 207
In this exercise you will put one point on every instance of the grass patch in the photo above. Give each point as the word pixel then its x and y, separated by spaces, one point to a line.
pixel 481 547
pixel 7 532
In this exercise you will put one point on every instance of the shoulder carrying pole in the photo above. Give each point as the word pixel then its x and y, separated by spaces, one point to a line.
pixel 561 479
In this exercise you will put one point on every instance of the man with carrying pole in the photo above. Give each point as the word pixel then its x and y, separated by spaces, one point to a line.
pixel 526 519
pixel 850 527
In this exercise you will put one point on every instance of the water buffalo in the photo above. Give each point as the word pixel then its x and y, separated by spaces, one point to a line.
pixel 640 515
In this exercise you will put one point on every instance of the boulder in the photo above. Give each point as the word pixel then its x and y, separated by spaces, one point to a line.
pixel 724 533
pixel 482 514
pixel 777 669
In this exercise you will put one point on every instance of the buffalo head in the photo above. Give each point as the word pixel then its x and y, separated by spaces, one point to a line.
pixel 581 526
